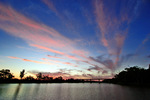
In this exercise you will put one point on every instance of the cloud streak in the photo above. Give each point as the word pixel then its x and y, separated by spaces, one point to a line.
pixel 80 53
pixel 57 61
pixel 47 49
pixel 113 29
pixel 27 60
pixel 51 6
pixel 36 34
pixel 32 32
pixel 95 68
pixel 54 57
pixel 108 63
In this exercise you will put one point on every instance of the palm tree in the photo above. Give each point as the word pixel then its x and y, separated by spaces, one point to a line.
pixel 22 73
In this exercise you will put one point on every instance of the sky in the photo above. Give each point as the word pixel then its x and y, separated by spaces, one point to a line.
pixel 81 39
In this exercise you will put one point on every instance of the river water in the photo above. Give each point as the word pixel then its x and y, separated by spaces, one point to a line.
pixel 72 91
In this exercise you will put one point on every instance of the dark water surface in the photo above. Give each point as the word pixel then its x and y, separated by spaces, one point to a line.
pixel 72 91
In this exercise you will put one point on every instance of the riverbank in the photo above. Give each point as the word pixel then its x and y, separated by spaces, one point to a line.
pixel 47 81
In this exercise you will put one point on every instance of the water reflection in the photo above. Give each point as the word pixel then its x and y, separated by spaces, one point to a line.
pixel 17 91
pixel 36 89
pixel 72 91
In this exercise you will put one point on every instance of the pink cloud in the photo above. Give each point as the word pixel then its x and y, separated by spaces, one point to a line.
pixel 91 76
pixel 47 49
pixel 37 34
pixel 57 61
pixel 109 26
pixel 81 53
pixel 51 6
pixel 32 32
pixel 68 63
pixel 27 60
pixel 13 57
pixel 58 52
pixel 73 58
pixel 39 62
pixel 54 57
pixel 78 52
pixel 112 35
pixel 50 60
pixel 71 64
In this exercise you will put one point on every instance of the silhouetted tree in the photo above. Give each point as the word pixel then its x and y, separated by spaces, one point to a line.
pixel 60 78
pixel 47 78
pixel 22 73
pixel 133 75
pixel 29 78
pixel 39 76
pixel 5 74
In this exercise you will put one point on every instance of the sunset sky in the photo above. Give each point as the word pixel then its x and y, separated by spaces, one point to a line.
pixel 74 38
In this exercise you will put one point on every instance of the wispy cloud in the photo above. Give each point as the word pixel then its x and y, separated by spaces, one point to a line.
pixel 34 61
pixel 95 68
pixel 27 60
pixel 47 49
pixel 148 56
pixel 58 61
pixel 91 76
pixel 55 57
pixel 32 32
pixel 51 6
pixel 108 63
pixel 37 34
pixel 70 70
pixel 13 57
pixel 146 39
pixel 105 72
pixel 113 28
pixel 80 53
pixel 66 16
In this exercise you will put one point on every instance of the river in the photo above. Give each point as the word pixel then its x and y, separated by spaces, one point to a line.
pixel 72 91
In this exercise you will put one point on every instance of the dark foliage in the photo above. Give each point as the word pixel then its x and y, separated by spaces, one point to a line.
pixel 22 74
pixel 133 75
pixel 7 77
pixel 29 78
pixel 39 76
pixel 5 74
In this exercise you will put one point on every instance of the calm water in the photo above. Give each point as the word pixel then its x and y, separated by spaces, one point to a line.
pixel 72 91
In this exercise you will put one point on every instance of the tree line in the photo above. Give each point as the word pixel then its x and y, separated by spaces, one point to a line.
pixel 7 77
pixel 131 76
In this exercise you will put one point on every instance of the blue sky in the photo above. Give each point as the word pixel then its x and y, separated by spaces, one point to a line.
pixel 74 38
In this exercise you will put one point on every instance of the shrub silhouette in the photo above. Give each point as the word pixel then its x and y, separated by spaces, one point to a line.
pixel 5 74
pixel 132 75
